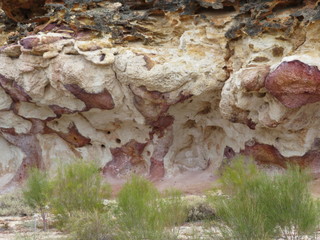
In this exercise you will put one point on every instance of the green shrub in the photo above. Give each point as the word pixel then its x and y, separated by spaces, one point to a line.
pixel 143 214
pixel 37 192
pixel 78 187
pixel 263 207
pixel 296 211
pixel 174 210
pixel 13 204
pixel 90 225
pixel 236 176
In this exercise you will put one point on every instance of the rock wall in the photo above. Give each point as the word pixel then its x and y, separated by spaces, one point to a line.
pixel 158 87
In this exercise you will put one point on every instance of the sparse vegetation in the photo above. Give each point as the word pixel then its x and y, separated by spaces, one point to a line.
pixel 144 214
pixel 37 192
pixel 13 204
pixel 262 207
pixel 251 206
pixel 78 187
pixel 90 225
pixel 140 212
pixel 200 211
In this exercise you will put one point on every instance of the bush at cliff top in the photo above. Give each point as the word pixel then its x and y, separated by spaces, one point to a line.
pixel 259 206
pixel 78 187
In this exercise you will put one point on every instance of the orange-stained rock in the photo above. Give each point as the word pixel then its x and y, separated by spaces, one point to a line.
pixel 23 10
pixel 73 136
pixel 269 155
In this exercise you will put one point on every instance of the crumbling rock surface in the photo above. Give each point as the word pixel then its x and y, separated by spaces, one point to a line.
pixel 158 87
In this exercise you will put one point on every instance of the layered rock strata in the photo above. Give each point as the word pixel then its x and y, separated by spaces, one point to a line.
pixel 158 87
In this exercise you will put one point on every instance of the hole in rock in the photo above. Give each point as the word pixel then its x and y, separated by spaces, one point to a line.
pixel 190 124
pixel 140 6
pixel 103 146
pixel 286 6
pixel 118 140
pixel 210 10
pixel 300 18
pixel 261 95
pixel 102 57
pixel 277 51
pixel 261 59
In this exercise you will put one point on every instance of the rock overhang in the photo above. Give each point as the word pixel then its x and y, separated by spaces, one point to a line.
pixel 161 87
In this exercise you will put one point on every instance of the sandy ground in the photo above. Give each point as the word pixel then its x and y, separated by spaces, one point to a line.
pixel 190 183
pixel 25 228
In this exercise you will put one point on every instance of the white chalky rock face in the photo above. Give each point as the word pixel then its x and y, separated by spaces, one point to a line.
pixel 183 104
pixel 5 100
pixel 11 160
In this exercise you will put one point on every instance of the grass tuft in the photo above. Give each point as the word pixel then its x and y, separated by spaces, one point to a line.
pixel 13 204
pixel 145 214
pixel 262 207
pixel 78 187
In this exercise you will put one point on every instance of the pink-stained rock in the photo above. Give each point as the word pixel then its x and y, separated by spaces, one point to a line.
pixel 29 145
pixel 125 159
pixel 157 170
pixel 30 42
pixel 102 100
pixel 60 110
pixel 160 125
pixel 162 147
pixel 16 92
pixel 153 105
pixel 294 84
pixel 55 28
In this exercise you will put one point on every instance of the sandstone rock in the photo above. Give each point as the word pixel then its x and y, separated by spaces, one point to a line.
pixel 158 87
pixel 294 83
pixel 22 10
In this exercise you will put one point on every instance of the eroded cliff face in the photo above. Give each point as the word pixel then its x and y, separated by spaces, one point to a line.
pixel 158 87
